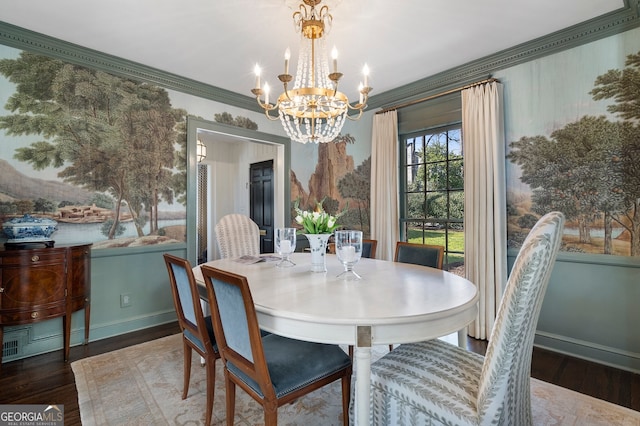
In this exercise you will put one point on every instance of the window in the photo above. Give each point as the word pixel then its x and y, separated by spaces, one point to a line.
pixel 432 192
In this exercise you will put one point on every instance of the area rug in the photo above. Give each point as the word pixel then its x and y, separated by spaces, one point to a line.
pixel 142 385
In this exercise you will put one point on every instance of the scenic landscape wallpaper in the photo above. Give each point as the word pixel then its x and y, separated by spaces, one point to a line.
pixel 581 153
pixel 99 154
pixel 105 156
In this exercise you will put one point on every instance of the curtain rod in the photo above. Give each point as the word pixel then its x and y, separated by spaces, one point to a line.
pixel 417 101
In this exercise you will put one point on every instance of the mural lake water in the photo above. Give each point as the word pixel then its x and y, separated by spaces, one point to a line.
pixel 73 233
pixel 595 232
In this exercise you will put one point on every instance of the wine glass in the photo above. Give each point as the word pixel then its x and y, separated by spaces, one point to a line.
pixel 349 251
pixel 285 245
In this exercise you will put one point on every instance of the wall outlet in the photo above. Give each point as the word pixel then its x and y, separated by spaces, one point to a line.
pixel 125 300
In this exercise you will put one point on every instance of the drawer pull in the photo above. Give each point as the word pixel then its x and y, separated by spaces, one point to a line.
pixel 35 258
pixel 34 315
pixel 1 289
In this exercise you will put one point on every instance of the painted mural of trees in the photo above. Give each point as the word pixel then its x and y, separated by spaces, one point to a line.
pixel 108 134
pixel 239 121
pixel 590 169
pixel 356 186
pixel 623 86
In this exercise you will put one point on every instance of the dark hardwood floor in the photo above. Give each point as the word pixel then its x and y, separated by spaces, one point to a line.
pixel 47 379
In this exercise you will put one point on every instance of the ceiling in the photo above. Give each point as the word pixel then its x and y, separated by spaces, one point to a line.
pixel 219 42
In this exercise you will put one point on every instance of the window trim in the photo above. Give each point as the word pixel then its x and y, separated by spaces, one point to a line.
pixel 402 173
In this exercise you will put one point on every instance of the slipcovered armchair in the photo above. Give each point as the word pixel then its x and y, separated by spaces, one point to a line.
pixel 436 383
pixel 237 235
pixel 273 370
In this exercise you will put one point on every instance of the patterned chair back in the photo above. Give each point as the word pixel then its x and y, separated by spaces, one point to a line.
pixel 237 235
pixel 504 389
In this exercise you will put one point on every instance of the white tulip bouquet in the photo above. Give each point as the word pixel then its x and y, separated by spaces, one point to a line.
pixel 317 221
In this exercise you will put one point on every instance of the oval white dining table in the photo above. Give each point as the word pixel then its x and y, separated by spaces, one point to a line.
pixel 392 303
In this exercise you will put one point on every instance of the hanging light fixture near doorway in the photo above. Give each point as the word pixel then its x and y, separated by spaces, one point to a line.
pixel 201 151
pixel 313 110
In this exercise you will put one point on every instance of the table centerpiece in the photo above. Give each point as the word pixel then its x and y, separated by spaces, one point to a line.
pixel 318 225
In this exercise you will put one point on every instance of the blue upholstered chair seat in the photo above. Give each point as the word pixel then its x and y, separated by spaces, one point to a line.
pixel 293 363
pixel 421 381
pixel 196 341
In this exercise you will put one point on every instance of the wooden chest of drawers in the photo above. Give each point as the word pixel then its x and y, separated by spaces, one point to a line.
pixel 37 284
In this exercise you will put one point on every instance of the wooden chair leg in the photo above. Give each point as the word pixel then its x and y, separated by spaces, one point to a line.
pixel 390 348
pixel 230 388
pixel 351 352
pixel 211 387
pixel 186 369
pixel 271 416
pixel 346 398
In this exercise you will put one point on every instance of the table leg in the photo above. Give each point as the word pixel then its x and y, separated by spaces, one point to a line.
pixel 462 338
pixel 363 375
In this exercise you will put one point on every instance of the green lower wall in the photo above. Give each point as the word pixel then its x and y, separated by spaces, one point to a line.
pixel 590 310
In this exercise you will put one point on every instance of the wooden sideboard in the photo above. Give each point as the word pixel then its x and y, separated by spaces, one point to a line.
pixel 38 284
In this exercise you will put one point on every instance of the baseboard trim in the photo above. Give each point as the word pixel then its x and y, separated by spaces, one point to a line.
pixel 50 342
pixel 589 351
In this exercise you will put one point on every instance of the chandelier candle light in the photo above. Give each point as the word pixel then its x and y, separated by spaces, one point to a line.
pixel 313 110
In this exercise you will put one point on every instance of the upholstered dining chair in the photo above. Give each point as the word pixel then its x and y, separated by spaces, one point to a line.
pixel 420 254
pixel 369 248
pixel 237 235
pixel 437 383
pixel 197 330
pixel 273 370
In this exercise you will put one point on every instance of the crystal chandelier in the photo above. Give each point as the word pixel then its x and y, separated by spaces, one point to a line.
pixel 313 110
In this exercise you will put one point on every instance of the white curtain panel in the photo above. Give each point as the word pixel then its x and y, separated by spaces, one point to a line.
pixel 485 222
pixel 384 184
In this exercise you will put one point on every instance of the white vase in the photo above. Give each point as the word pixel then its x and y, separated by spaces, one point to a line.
pixel 318 245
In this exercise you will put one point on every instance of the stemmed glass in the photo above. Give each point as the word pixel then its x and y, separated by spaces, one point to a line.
pixel 349 251
pixel 285 245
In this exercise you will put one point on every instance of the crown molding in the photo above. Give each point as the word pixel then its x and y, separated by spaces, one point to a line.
pixel 621 20
pixel 616 22
pixel 24 39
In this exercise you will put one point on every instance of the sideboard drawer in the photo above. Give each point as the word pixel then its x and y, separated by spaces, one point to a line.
pixel 22 316
pixel 29 258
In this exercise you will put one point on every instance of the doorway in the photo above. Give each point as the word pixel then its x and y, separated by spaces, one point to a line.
pixel 227 187
pixel 261 197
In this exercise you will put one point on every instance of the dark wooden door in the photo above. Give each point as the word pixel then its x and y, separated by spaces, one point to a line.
pixel 261 202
